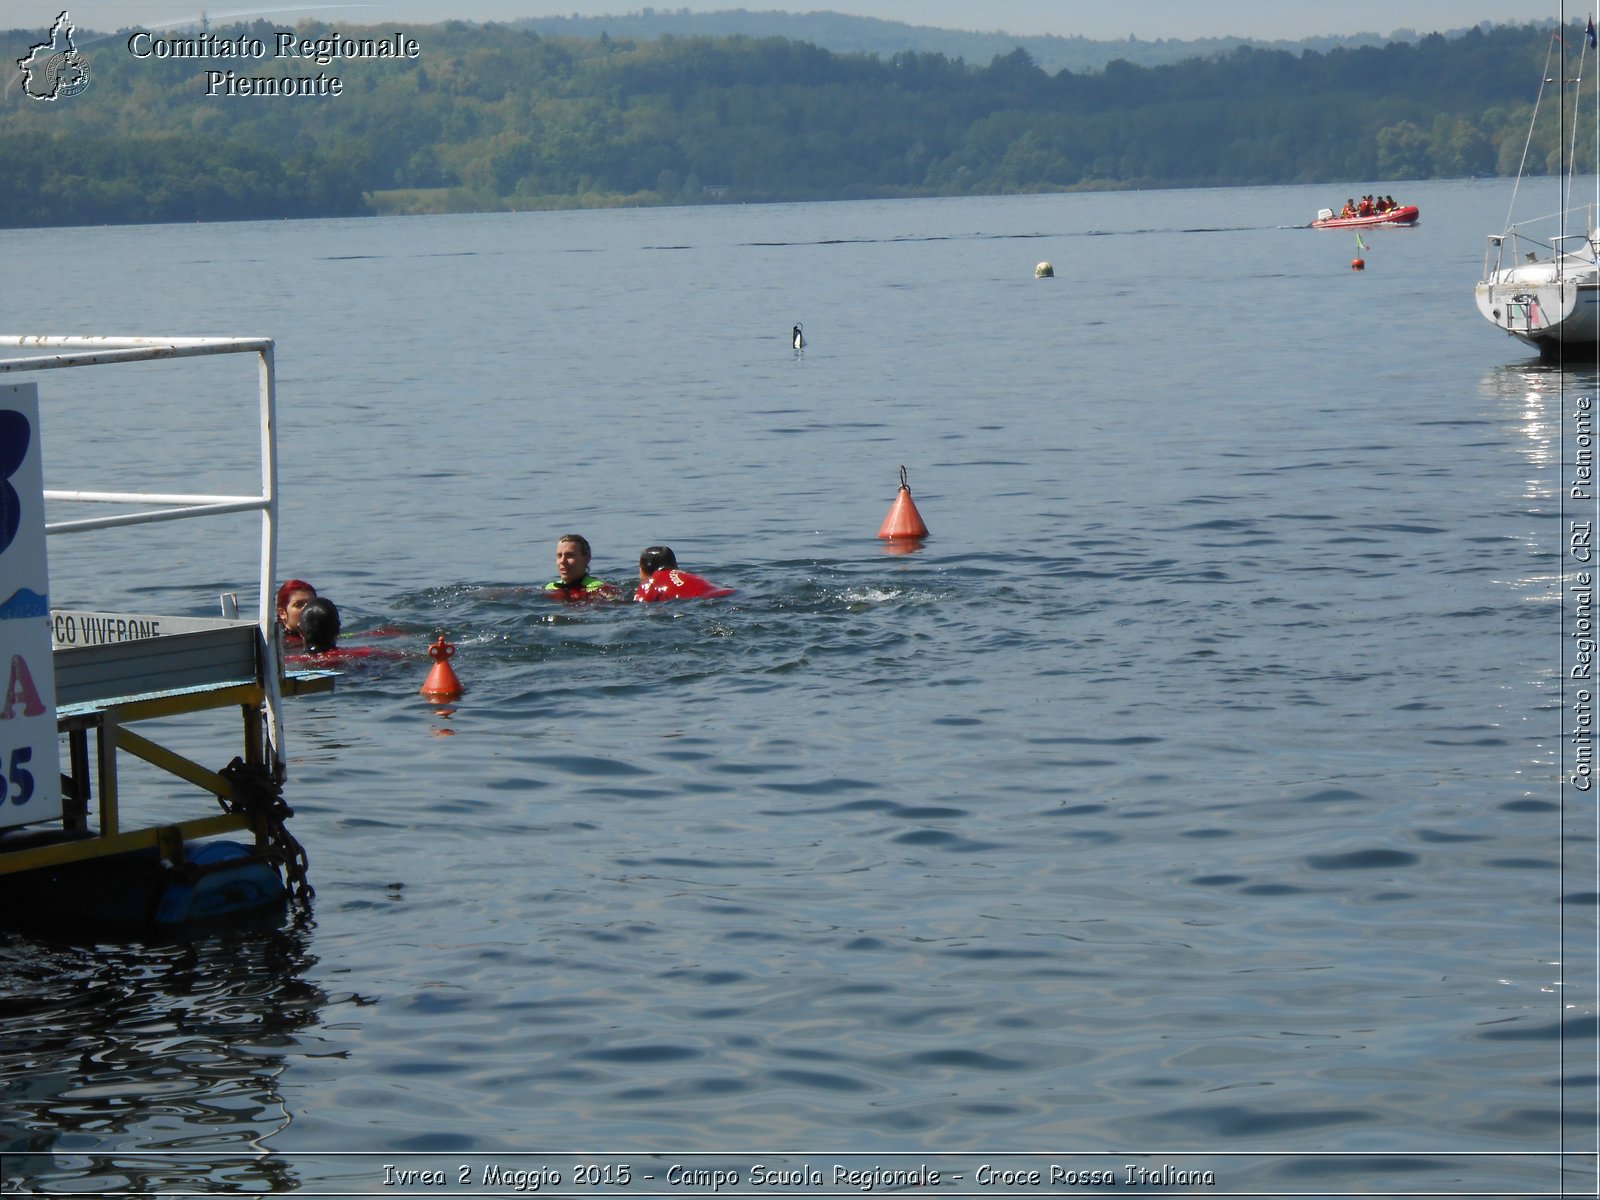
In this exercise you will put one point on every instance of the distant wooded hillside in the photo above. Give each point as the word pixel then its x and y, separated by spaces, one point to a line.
pixel 868 35
pixel 489 117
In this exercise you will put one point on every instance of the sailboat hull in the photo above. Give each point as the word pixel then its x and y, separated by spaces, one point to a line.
pixel 1541 278
pixel 1558 317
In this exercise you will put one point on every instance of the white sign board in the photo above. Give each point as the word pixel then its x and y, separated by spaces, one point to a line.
pixel 30 756
pixel 70 628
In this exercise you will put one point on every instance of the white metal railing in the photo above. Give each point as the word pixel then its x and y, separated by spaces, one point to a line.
pixel 1563 254
pixel 73 351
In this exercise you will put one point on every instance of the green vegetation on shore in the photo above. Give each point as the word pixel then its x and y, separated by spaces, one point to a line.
pixel 492 117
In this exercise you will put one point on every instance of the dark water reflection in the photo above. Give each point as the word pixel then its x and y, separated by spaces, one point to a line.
pixel 161 1046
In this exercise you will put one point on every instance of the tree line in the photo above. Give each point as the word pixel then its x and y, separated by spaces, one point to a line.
pixel 491 117
pixel 851 34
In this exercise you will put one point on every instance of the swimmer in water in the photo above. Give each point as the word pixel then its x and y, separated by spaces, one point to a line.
pixel 293 597
pixel 319 625
pixel 660 578
pixel 573 580
pixel 321 647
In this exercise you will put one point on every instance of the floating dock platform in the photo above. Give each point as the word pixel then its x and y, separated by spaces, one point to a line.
pixel 78 680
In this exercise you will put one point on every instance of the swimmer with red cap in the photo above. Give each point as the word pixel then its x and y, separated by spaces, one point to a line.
pixel 293 597
pixel 660 578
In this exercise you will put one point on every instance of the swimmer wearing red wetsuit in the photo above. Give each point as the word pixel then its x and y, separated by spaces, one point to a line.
pixel 661 579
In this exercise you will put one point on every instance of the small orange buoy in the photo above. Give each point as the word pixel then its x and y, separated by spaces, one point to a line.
pixel 1358 264
pixel 442 683
pixel 903 521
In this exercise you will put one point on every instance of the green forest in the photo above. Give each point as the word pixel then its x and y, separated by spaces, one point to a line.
pixel 494 117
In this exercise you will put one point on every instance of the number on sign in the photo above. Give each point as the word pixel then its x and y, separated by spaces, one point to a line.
pixel 20 789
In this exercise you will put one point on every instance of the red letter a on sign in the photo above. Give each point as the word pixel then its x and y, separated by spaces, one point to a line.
pixel 21 688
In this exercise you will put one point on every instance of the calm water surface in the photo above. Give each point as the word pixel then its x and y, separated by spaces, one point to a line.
pixel 1195 789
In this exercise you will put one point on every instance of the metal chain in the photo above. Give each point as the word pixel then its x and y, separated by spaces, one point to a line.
pixel 258 795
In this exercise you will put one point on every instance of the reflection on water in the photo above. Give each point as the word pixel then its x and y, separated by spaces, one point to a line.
pixel 1539 392
pixel 1548 416
pixel 164 1047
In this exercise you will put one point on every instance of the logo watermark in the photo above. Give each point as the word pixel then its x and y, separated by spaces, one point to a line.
pixel 57 68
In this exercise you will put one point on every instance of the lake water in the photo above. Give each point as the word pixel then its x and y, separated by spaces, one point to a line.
pixel 1194 798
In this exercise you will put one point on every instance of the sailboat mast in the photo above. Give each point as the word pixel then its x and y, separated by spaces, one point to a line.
pixel 1559 249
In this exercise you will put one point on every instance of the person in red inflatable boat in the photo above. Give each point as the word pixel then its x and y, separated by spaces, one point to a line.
pixel 660 578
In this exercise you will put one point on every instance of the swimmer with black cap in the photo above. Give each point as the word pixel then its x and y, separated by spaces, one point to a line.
pixel 653 559
pixel 319 625
pixel 660 578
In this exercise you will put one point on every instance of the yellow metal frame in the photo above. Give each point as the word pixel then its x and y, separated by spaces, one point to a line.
pixel 109 723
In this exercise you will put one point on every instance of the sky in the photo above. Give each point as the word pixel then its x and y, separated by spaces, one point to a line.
pixel 1098 19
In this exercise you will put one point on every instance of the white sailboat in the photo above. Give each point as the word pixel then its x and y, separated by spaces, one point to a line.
pixel 1541 277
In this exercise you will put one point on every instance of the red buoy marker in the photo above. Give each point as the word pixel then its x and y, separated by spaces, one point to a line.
pixel 442 683
pixel 903 521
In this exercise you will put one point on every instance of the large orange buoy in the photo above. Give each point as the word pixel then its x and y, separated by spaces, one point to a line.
pixel 442 683
pixel 903 521
pixel 1358 264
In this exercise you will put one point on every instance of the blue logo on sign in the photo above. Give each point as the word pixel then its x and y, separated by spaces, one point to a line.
pixel 15 434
